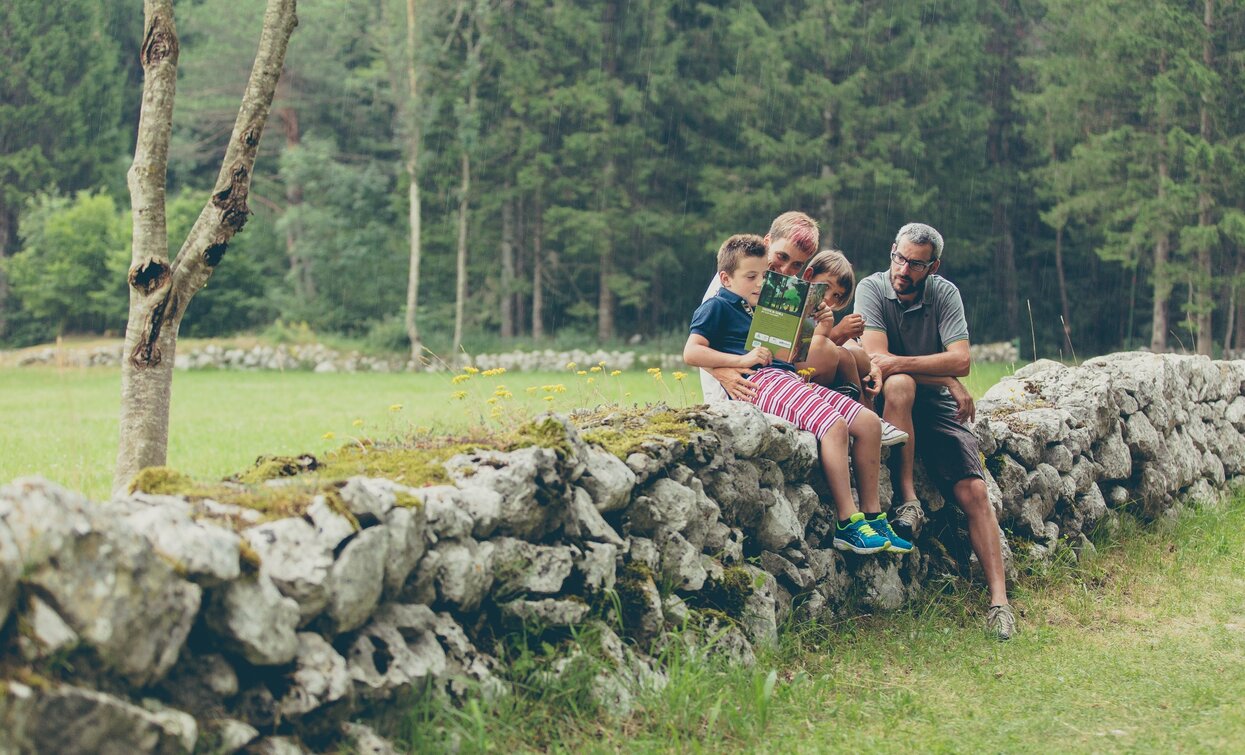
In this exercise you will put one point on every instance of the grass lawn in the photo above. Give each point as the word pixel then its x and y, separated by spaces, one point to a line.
pixel 1139 649
pixel 62 423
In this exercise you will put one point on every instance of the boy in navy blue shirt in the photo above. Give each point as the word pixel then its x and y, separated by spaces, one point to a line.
pixel 719 330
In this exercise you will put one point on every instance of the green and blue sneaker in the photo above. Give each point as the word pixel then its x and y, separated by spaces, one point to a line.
pixel 858 536
pixel 883 528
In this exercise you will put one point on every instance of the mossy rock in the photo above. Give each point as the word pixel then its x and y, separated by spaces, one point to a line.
pixel 625 433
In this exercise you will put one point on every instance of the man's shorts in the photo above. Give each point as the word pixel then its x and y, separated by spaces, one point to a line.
pixel 946 447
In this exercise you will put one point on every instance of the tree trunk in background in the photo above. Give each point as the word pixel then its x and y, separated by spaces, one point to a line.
pixel 1162 280
pixel 160 292
pixel 1238 340
pixel 520 266
pixel 1205 305
pixel 998 149
pixel 412 147
pixel 827 173
pixel 538 272
pixel 507 266
pixel 1064 310
pixel 460 286
pixel 300 266
pixel 605 193
pixel 6 241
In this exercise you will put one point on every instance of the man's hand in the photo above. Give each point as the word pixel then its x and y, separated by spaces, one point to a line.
pixel 872 383
pixel 886 364
pixel 851 326
pixel 760 355
pixel 734 383
pixel 964 400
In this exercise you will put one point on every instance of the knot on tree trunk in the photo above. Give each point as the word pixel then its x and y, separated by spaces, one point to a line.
pixel 232 199
pixel 213 254
pixel 149 275
pixel 160 43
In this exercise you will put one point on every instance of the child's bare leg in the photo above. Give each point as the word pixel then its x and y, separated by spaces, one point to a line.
pixel 833 453
pixel 824 357
pixel 863 364
pixel 848 373
pixel 866 434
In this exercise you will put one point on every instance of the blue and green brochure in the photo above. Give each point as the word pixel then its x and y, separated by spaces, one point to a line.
pixel 783 318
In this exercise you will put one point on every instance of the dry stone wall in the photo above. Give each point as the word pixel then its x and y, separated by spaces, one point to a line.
pixel 159 624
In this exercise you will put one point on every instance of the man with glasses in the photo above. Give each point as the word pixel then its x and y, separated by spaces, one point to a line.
pixel 917 336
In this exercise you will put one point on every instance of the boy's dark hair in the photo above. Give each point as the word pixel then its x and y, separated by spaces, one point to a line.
pixel 834 263
pixel 736 248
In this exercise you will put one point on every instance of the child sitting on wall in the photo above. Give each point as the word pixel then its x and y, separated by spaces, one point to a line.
pixel 719 330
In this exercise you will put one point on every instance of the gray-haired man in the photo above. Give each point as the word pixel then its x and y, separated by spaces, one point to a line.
pixel 916 334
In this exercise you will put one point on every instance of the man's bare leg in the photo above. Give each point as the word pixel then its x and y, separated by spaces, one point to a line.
pixel 899 391
pixel 983 535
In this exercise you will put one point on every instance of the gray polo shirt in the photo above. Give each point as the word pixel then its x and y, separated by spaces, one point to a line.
pixel 925 327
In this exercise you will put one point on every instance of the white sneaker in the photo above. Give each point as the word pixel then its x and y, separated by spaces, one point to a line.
pixel 891 435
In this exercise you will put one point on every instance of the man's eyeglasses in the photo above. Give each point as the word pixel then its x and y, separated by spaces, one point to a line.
pixel 916 265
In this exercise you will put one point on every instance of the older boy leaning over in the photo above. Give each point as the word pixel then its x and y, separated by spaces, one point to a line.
pixel 792 239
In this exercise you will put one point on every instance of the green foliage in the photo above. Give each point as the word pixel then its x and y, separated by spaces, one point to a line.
pixel 70 273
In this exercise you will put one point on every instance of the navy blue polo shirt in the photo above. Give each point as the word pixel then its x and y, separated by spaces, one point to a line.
pixel 723 320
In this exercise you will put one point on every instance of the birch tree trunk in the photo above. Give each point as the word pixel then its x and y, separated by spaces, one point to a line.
pixel 414 144
pixel 460 285
pixel 160 291
pixel 507 265
pixel 1205 269
pixel 538 271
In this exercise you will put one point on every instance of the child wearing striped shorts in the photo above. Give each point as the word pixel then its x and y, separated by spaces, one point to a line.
pixel 719 330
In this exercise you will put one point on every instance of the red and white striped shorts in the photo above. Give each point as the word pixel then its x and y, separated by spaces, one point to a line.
pixel 808 406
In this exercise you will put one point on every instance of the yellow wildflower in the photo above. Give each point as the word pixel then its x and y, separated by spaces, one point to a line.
pixel 549 398
pixel 570 365
pixel 531 389
pixel 357 423
pixel 471 370
pixel 591 381
pixel 395 407
pixel 600 364
pixel 460 395
pixel 492 400
pixel 680 375
pixel 329 435
pixel 615 373
pixel 461 379
pixel 595 369
pixel 582 372
pixel 653 370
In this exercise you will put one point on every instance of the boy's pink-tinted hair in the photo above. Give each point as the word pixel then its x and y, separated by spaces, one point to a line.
pixel 834 263
pixel 736 248
pixel 797 227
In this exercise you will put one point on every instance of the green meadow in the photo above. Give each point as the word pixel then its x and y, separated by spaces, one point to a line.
pixel 61 423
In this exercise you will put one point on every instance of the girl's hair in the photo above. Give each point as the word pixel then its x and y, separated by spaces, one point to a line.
pixel 832 262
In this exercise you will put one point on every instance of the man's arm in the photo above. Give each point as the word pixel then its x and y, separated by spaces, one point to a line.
pixel 954 362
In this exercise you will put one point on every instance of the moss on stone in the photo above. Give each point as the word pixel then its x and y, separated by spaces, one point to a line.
pixel 160 481
pixel 546 432
pixel 406 501
pixel 708 616
pixel 248 558
pixel 623 434
pixel 632 595
pixel 728 595
pixel 275 467
pixel 415 467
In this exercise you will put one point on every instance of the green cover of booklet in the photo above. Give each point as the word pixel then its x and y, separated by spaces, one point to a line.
pixel 783 319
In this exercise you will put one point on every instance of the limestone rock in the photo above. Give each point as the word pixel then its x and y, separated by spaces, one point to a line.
pixel 582 522
pixel 407 528
pixel 294 558
pixel 759 620
pixel 10 567
pixel 519 567
pixel 107 583
pixel 518 477
pixel 780 525
pixel 319 677
pixel 370 498
pixel 47 633
pixel 331 526
pixel 740 423
pixel 595 565
pixel 397 650
pixel 664 505
pixel 607 479
pixel 365 741
pixel 680 562
pixel 206 553
pixel 357 578
pixel 464 572
pixel 447 518
pixel 254 619
pixel 550 612
pixel 68 719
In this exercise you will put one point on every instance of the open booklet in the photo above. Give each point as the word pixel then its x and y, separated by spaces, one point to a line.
pixel 783 318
